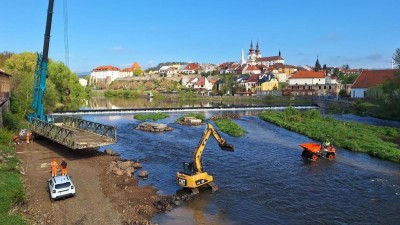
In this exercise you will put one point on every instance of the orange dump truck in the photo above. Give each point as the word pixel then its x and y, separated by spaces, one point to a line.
pixel 315 150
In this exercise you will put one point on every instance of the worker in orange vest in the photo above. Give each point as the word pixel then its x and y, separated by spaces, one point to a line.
pixel 16 139
pixel 54 167
pixel 28 136
pixel 63 167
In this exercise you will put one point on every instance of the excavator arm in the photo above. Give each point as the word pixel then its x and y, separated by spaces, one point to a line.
pixel 193 175
pixel 202 144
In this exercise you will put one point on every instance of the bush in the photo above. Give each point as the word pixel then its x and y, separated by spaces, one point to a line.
pixel 226 125
pixel 153 116
pixel 11 121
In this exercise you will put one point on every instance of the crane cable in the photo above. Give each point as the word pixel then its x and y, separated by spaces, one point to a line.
pixel 66 44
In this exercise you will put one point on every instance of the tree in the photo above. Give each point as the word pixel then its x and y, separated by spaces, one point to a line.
pixel 137 72
pixel 3 57
pixel 346 66
pixel 22 68
pixel 396 57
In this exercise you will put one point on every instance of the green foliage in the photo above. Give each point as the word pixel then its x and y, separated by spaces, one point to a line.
pixel 22 68
pixel 3 57
pixel 226 125
pixel 195 115
pixel 396 57
pixel 11 121
pixel 122 93
pixel 11 187
pixel 373 140
pixel 152 116
pixel 187 94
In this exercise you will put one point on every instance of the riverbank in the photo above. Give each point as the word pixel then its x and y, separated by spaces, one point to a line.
pixel 12 193
pixel 102 197
pixel 380 142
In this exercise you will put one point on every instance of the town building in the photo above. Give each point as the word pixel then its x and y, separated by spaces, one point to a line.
pixel 369 79
pixel 5 94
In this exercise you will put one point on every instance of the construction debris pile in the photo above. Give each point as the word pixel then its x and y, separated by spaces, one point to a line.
pixel 153 127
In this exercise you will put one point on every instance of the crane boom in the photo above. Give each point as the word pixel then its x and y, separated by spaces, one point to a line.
pixel 41 71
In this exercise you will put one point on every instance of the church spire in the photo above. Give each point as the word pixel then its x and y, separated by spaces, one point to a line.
pixel 317 66
pixel 257 49
pixel 251 50
pixel 279 52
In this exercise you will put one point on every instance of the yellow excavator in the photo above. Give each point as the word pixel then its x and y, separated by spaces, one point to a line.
pixel 193 176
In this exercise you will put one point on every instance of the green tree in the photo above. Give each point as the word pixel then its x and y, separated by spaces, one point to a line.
pixel 396 57
pixel 137 72
pixel 3 57
pixel 22 68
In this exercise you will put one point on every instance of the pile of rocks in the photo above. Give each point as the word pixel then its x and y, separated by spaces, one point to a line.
pixel 225 116
pixel 127 167
pixel 190 121
pixel 153 127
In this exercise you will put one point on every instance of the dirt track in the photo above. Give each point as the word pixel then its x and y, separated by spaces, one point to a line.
pixel 102 197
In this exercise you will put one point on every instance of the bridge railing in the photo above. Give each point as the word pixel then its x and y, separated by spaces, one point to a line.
pixel 97 128
pixel 58 134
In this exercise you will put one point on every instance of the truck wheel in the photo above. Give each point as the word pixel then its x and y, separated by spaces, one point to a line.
pixel 314 157
pixel 331 156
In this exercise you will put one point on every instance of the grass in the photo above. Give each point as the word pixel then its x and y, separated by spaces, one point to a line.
pixel 226 125
pixel 11 188
pixel 376 141
pixel 195 115
pixel 152 116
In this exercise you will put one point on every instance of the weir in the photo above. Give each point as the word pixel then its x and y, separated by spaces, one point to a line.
pixel 192 109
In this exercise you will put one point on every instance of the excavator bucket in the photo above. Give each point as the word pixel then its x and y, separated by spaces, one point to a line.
pixel 227 147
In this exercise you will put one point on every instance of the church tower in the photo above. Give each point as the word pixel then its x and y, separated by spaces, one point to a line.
pixel 251 56
pixel 242 61
pixel 258 52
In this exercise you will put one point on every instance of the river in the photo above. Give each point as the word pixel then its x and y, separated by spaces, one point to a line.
pixel 265 180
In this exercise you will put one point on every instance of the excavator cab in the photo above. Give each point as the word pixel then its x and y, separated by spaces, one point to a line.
pixel 188 168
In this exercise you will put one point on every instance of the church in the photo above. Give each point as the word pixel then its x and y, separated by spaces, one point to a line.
pixel 254 57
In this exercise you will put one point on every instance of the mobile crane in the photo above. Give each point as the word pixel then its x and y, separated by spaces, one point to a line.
pixel 193 176
pixel 72 132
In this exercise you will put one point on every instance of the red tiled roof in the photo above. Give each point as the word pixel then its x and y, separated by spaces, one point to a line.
pixel 269 58
pixel 252 67
pixel 192 66
pixel 135 65
pixel 201 81
pixel 308 74
pixel 105 68
pixel 371 78
pixel 253 78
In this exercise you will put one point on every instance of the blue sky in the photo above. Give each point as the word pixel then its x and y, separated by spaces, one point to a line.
pixel 359 33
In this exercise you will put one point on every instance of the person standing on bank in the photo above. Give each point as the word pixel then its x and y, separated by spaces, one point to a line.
pixel 63 167
pixel 54 167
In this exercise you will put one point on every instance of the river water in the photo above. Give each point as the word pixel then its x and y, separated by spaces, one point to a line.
pixel 265 181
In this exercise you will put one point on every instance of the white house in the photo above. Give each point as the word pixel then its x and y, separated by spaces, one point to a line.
pixel 369 79
pixel 104 74
pixel 304 77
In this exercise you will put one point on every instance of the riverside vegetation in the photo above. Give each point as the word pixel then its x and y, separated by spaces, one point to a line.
pixel 152 116
pixel 226 125
pixel 374 140
pixel 12 192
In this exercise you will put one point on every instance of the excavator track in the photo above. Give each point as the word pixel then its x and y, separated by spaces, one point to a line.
pixel 213 186
pixel 195 191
